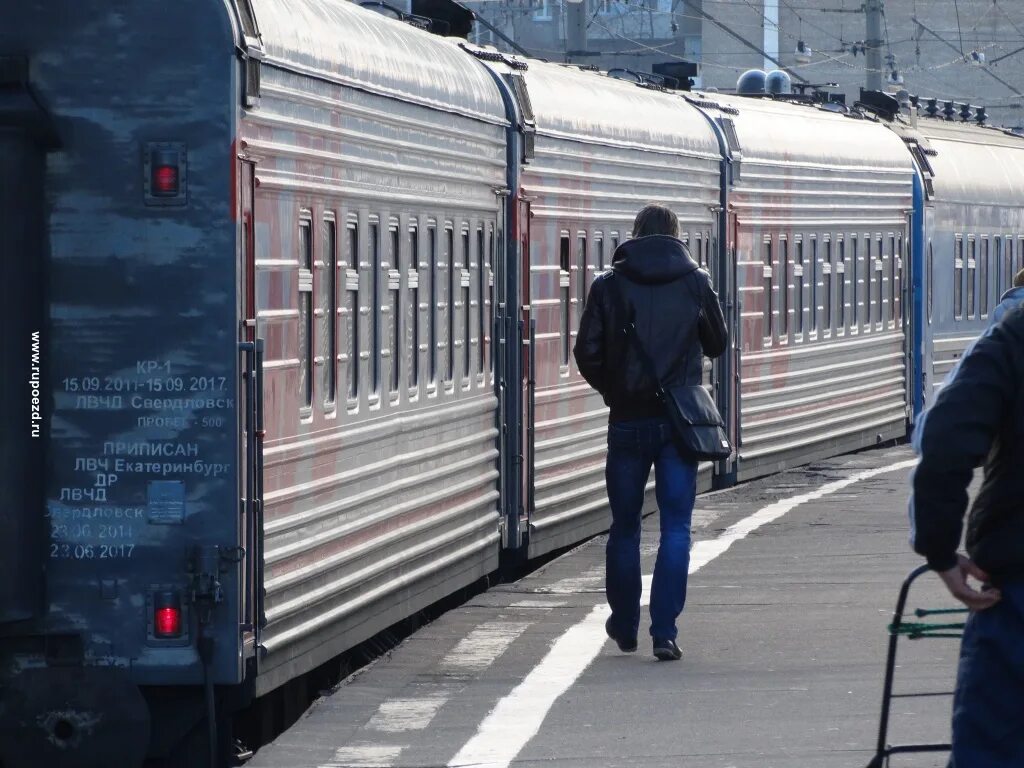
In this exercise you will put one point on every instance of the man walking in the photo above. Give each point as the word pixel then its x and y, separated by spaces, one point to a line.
pixel 654 284
pixel 978 417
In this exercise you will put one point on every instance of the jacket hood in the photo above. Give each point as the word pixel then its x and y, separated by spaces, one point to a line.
pixel 1014 295
pixel 1008 301
pixel 654 259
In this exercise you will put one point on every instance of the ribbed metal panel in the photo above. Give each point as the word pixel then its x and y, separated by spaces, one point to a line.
pixel 819 399
pixel 383 497
pixel 815 380
pixel 604 149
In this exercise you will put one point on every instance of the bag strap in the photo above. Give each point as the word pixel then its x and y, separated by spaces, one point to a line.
pixel 629 330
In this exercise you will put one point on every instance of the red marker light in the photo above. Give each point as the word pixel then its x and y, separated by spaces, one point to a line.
pixel 167 615
pixel 165 180
pixel 166 171
pixel 168 622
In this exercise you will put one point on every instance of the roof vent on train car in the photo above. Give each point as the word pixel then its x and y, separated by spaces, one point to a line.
pixel 447 17
pixel 386 9
pixel 966 113
pixel 980 116
pixel 882 104
pixel 949 111
pixel 778 83
pixel 626 74
pixel 682 72
pixel 931 107
pixel 751 83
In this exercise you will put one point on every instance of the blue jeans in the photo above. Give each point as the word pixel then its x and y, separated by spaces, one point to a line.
pixel 988 714
pixel 633 446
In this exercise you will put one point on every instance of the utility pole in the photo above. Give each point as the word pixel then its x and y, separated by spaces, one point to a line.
pixel 873 10
pixel 575 30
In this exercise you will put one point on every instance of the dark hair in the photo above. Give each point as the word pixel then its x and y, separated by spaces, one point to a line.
pixel 655 219
pixel 1018 279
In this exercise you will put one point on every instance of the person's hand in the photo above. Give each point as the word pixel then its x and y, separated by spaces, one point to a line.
pixel 955 580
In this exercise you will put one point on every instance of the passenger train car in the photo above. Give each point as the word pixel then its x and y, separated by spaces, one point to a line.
pixel 295 288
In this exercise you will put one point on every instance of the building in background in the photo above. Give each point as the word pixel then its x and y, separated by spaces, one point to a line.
pixel 964 50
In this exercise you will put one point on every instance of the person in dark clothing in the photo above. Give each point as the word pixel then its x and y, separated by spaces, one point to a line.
pixel 679 320
pixel 978 417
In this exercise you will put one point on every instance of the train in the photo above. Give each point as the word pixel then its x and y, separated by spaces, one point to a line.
pixel 289 302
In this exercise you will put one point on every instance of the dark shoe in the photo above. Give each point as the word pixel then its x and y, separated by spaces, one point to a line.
pixel 626 644
pixel 667 650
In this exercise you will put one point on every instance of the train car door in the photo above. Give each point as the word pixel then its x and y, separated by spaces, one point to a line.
pixel 727 374
pixel 919 308
pixel 528 336
pixel 251 414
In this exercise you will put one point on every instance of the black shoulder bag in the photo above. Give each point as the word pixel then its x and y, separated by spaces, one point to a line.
pixel 696 422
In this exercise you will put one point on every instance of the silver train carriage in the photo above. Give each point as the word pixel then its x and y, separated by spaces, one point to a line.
pixel 969 211
pixel 819 213
pixel 259 274
pixel 297 304
pixel 596 150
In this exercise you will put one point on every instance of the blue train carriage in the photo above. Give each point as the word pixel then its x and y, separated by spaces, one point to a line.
pixel 969 216
pixel 258 272
pixel 819 207
pixel 595 149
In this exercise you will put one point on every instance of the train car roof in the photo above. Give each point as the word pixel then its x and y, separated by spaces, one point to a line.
pixel 783 133
pixel 588 106
pixel 337 40
pixel 974 165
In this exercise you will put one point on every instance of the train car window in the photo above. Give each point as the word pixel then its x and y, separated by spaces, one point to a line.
pixel 898 261
pixel 483 264
pixel 413 325
pixel 375 313
pixel 329 307
pixel 972 270
pixel 352 309
pixel 1020 254
pixel 798 288
pixel 598 257
pixel 868 285
pixel 1004 268
pixel 306 312
pixel 434 298
pixel 465 282
pixel 491 306
pixel 958 279
pixel 813 282
pixel 930 277
pixel 449 301
pixel 895 247
pixel 983 278
pixel 841 292
pixel 879 269
pixel 767 291
pixel 855 288
pixel 583 275
pixel 395 309
pixel 564 265
pixel 826 287
pixel 615 246
pixel 784 288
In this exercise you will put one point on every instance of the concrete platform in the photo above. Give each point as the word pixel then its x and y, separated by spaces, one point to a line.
pixel 783 636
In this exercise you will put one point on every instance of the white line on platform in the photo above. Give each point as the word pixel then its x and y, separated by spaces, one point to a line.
pixel 478 650
pixel 364 756
pixel 410 714
pixel 518 717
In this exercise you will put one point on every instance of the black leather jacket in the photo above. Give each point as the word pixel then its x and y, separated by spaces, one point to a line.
pixel 977 417
pixel 677 316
